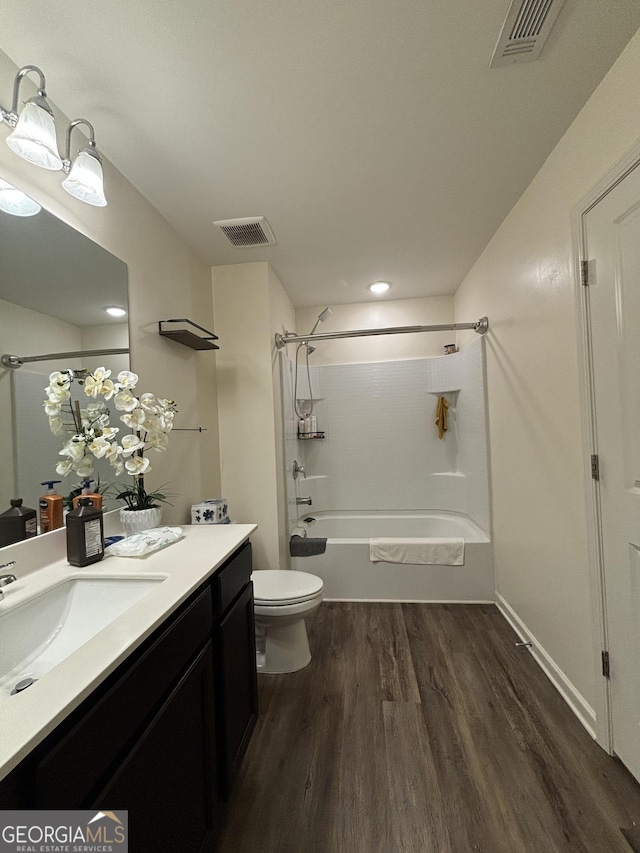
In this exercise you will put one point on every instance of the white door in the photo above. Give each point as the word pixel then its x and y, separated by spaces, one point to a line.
pixel 612 231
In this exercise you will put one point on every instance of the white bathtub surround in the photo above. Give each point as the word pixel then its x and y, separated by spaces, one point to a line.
pixel 381 449
pixel 349 575
pixel 417 551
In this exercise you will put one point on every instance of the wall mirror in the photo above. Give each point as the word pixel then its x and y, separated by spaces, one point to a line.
pixel 55 287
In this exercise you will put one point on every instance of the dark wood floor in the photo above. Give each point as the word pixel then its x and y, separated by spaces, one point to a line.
pixel 421 729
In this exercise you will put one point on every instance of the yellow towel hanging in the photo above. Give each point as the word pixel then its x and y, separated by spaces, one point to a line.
pixel 442 416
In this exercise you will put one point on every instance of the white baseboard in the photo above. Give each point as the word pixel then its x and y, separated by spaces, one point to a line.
pixel 578 704
pixel 412 600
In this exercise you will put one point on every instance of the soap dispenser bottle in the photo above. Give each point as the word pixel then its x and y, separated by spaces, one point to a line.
pixel 85 534
pixel 51 505
pixel 17 523
pixel 94 497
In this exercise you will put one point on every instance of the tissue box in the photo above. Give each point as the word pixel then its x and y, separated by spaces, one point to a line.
pixel 210 512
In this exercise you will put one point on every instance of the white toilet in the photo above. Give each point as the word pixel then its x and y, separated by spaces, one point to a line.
pixel 282 600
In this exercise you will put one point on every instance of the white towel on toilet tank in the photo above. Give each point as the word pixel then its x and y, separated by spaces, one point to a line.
pixel 421 552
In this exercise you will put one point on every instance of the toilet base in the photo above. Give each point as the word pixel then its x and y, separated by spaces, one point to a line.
pixel 282 648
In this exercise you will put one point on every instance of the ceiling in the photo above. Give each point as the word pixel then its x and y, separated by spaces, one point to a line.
pixel 371 134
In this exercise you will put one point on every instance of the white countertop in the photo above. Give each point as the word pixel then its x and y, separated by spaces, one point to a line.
pixel 26 718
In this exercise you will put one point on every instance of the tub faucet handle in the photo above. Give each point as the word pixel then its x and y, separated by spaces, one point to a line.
pixel 298 469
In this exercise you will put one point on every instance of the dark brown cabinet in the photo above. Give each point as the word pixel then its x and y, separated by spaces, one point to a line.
pixel 166 781
pixel 164 735
pixel 235 651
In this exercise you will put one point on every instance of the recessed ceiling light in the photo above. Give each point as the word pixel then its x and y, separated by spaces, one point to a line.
pixel 379 287
pixel 116 312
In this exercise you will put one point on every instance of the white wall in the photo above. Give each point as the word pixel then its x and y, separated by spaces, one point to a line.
pixel 524 282
pixel 165 280
pixel 250 306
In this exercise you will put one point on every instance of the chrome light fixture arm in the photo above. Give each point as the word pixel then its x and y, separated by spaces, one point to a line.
pixel 11 116
pixel 66 160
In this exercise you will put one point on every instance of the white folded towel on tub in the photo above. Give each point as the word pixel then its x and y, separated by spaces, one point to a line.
pixel 422 552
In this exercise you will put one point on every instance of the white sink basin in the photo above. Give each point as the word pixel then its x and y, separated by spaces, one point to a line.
pixel 42 632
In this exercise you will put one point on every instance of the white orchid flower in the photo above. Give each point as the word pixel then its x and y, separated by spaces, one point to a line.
pixel 114 454
pixel 60 378
pixel 110 432
pixel 85 468
pixel 127 379
pixel 99 447
pixel 138 465
pixel 55 425
pixel 158 440
pixel 134 419
pixel 125 401
pixel 52 408
pixel 64 468
pixel 108 389
pixel 131 443
pixel 57 394
pixel 74 449
pixel 118 466
pixel 149 402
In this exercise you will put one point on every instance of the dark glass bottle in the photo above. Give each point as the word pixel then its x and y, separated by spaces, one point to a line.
pixel 17 523
pixel 85 534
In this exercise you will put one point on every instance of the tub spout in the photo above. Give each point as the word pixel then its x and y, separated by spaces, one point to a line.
pixel 300 501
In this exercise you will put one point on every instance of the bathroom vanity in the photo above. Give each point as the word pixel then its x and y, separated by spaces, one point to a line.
pixel 164 729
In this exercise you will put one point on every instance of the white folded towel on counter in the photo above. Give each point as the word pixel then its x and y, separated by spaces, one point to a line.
pixel 421 552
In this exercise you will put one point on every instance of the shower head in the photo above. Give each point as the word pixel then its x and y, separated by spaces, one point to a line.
pixel 321 318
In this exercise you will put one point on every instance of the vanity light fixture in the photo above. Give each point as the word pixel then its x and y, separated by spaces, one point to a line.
pixel 34 133
pixel 379 287
pixel 115 312
pixel 15 202
pixel 84 179
pixel 33 138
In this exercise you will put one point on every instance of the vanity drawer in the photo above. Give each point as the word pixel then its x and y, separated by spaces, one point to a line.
pixel 232 578
pixel 88 753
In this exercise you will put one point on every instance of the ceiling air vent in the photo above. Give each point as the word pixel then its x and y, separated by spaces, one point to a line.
pixel 247 232
pixel 525 31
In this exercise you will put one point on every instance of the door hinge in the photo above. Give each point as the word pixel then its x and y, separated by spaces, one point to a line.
pixel 595 466
pixel 584 273
pixel 606 668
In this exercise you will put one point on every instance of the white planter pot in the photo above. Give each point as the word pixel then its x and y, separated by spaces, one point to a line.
pixel 134 521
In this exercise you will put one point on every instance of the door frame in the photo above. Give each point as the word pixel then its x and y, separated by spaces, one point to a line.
pixel 627 164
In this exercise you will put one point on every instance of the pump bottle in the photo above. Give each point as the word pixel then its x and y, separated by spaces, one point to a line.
pixel 94 497
pixel 51 505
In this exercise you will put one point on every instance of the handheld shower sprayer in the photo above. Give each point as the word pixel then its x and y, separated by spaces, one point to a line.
pixel 321 318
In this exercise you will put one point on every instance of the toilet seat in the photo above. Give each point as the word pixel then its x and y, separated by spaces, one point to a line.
pixel 282 587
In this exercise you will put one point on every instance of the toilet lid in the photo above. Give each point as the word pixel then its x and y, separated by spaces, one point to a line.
pixel 281 586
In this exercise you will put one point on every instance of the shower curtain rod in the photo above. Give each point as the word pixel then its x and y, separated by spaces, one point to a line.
pixel 481 326
pixel 16 361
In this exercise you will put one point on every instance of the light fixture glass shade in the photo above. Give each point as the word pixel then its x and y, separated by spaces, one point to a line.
pixel 379 287
pixel 85 179
pixel 15 202
pixel 34 137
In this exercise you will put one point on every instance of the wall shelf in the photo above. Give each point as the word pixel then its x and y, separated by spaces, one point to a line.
pixel 307 436
pixel 187 336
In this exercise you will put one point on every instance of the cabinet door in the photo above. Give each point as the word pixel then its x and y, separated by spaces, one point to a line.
pixel 168 782
pixel 236 687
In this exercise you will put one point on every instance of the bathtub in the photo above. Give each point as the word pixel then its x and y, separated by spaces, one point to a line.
pixel 349 575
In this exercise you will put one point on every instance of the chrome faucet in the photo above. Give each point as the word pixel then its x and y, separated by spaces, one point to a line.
pixel 298 469
pixel 306 501
pixel 5 580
